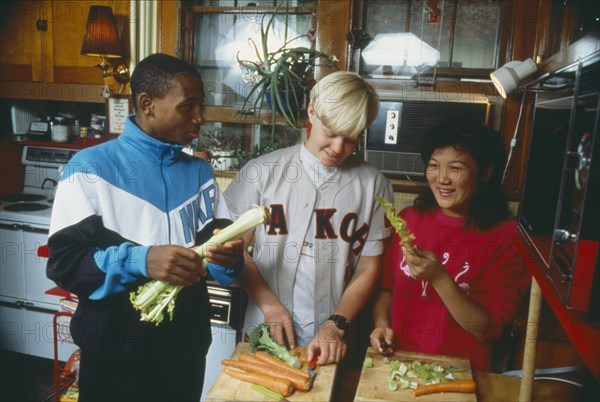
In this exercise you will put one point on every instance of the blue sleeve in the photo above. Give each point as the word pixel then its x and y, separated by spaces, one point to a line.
pixel 122 264
pixel 225 276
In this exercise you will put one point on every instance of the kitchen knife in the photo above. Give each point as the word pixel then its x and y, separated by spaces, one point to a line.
pixel 312 369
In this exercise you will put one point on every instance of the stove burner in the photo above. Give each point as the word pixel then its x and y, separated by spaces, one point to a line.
pixel 22 197
pixel 26 206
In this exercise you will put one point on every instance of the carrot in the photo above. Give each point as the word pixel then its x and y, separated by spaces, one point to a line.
pixel 275 361
pixel 465 386
pixel 279 385
pixel 299 382
pixel 253 358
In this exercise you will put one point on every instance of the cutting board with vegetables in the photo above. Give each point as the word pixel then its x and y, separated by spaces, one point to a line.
pixel 226 388
pixel 373 383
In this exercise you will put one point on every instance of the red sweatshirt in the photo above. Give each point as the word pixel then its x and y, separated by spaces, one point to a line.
pixel 486 265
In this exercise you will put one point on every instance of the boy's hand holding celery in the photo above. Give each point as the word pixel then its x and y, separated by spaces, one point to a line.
pixel 152 298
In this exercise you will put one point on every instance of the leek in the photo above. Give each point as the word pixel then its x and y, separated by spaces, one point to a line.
pixel 153 297
pixel 406 237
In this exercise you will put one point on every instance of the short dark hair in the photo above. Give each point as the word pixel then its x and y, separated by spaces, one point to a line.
pixel 486 146
pixel 154 73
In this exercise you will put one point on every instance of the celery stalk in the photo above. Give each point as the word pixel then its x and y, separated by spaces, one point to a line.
pixel 399 225
pixel 153 297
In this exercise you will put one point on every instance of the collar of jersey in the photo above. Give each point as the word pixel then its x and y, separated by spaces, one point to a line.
pixel 310 159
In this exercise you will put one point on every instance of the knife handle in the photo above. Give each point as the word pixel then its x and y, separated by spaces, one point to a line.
pixel 313 361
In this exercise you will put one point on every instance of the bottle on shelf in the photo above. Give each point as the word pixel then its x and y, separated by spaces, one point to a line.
pixel 60 131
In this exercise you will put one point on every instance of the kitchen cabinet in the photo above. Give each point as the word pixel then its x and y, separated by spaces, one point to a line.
pixel 41 41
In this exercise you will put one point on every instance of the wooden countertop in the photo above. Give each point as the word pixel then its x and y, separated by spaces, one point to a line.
pixel 491 387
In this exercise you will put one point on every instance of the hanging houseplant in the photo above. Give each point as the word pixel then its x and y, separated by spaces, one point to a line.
pixel 280 76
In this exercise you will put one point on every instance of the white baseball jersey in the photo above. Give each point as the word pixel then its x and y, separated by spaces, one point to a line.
pixel 345 212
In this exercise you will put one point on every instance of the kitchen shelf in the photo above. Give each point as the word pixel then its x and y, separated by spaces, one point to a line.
pixel 80 143
pixel 582 330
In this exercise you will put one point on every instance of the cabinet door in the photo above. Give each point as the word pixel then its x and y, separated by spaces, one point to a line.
pixel 12 279
pixel 39 331
pixel 13 320
pixel 21 55
pixel 36 282
pixel 41 41
pixel 68 27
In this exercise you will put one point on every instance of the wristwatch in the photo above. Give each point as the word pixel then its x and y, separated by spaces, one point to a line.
pixel 340 321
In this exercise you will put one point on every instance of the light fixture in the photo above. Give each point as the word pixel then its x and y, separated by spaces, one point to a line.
pixel 102 40
pixel 507 78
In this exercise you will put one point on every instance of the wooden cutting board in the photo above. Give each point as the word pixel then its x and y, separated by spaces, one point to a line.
pixel 373 382
pixel 226 388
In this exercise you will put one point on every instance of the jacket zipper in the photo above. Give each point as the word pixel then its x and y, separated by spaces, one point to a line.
pixel 166 195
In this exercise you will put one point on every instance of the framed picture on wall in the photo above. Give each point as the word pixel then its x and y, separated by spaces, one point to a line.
pixel 118 107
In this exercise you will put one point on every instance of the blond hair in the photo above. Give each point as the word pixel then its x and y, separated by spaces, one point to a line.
pixel 345 103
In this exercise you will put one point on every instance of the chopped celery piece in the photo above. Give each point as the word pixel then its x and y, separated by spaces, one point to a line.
pixel 394 374
pixel 404 383
pixel 403 368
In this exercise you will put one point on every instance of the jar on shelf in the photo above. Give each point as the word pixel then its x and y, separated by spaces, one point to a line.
pixel 60 131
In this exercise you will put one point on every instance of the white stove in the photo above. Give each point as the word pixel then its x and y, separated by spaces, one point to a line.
pixel 26 310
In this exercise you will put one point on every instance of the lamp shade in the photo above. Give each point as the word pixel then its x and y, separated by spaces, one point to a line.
pixel 101 37
pixel 508 77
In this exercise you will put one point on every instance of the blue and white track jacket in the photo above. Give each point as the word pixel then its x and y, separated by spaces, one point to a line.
pixel 113 202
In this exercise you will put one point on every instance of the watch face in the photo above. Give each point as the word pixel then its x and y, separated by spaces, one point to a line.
pixel 340 322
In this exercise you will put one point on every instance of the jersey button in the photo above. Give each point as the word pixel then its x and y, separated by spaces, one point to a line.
pixel 305 204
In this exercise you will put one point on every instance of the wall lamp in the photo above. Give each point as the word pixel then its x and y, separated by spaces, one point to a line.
pixel 507 78
pixel 102 40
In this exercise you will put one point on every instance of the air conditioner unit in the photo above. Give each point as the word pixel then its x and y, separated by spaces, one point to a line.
pixel 394 140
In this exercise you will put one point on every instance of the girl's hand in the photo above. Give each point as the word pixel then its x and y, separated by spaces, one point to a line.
pixel 382 340
pixel 424 265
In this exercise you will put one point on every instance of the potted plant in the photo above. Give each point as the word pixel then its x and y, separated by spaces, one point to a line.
pixel 219 146
pixel 280 76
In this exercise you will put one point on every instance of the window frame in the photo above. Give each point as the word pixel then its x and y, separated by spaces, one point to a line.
pixel 449 73
pixel 231 114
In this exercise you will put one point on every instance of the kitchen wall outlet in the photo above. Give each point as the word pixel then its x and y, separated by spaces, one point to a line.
pixel 391 126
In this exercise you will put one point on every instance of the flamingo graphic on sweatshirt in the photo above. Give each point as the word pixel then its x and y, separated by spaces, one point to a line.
pixel 445 258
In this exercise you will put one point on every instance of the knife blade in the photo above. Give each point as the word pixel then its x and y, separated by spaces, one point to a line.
pixel 312 369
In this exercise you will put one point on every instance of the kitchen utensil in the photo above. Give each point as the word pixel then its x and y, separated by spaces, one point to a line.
pixel 312 369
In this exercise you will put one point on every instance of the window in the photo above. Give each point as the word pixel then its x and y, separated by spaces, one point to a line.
pixel 436 38
pixel 214 34
pixel 222 30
